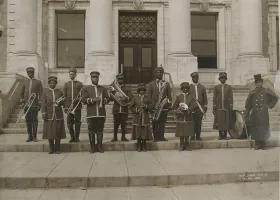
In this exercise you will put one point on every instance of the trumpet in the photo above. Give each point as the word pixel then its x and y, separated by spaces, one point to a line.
pixel 70 109
pixel 28 104
pixel 59 100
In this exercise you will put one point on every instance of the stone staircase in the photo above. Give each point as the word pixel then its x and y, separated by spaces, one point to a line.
pixel 240 95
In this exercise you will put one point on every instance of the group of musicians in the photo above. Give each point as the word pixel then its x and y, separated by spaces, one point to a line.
pixel 154 100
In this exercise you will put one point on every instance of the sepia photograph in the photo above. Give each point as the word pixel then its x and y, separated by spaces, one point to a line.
pixel 139 100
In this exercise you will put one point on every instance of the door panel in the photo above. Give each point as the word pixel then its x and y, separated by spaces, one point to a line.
pixel 139 61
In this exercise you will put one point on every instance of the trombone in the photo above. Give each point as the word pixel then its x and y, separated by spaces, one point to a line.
pixel 62 98
pixel 28 104
pixel 70 111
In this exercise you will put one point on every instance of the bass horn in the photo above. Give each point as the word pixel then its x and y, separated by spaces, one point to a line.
pixel 117 94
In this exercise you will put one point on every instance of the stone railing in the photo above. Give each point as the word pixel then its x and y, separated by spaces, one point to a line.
pixel 10 87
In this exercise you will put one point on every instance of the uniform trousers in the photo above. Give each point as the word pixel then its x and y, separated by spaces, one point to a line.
pixel 159 126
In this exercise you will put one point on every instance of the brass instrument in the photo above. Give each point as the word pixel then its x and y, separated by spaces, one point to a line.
pixel 160 103
pixel 182 107
pixel 201 111
pixel 119 95
pixel 28 104
pixel 70 109
pixel 101 101
pixel 62 98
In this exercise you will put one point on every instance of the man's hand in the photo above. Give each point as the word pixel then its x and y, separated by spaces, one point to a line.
pixel 205 109
pixel 214 111
pixel 44 116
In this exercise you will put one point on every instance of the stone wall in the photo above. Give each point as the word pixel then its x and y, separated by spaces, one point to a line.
pixel 3 39
pixel 265 26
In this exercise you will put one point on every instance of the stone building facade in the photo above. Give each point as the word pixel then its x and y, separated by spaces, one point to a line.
pixel 240 37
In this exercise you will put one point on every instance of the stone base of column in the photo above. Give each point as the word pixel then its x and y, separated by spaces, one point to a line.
pixel 104 63
pixel 245 67
pixel 17 63
pixel 180 66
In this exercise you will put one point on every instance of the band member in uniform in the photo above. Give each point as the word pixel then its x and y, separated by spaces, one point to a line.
pixel 29 87
pixel 140 107
pixel 258 102
pixel 52 114
pixel 159 91
pixel 222 106
pixel 199 92
pixel 73 93
pixel 183 107
pixel 95 97
pixel 120 112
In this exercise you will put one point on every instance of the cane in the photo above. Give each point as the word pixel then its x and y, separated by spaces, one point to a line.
pixel 246 132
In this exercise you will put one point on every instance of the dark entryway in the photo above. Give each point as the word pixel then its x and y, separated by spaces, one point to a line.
pixel 138 45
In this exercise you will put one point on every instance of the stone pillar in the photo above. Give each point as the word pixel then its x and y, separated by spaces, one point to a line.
pixel 100 57
pixel 181 62
pixel 250 60
pixel 25 51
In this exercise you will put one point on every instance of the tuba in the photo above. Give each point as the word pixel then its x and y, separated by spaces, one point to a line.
pixel 117 94
pixel 160 103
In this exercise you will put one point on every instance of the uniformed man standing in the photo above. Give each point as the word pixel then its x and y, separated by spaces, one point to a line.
pixel 199 92
pixel 222 106
pixel 95 97
pixel 258 102
pixel 156 89
pixel 73 93
pixel 120 112
pixel 31 86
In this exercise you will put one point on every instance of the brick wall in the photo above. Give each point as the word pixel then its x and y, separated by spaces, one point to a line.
pixel 3 39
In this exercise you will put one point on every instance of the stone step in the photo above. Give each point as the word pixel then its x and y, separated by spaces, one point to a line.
pixel 17 143
pixel 108 124
pixel 229 191
pixel 130 168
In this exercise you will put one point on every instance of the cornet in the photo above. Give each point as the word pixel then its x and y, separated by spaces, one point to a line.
pixel 59 100
pixel 70 111
pixel 28 104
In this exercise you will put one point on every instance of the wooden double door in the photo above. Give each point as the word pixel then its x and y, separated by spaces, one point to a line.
pixel 138 61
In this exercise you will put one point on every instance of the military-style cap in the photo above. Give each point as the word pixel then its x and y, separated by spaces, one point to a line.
pixel 194 74
pixel 258 77
pixel 120 76
pixel 160 69
pixel 94 73
pixel 222 75
pixel 72 69
pixel 30 69
pixel 52 78
pixel 185 85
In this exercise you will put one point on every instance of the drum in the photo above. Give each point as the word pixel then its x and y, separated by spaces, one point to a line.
pixel 238 130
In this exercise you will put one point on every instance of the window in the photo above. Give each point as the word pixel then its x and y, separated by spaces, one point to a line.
pixel 70 39
pixel 277 36
pixel 204 39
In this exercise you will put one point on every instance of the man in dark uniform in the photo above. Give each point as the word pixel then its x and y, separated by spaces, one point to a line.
pixel 73 93
pixel 199 92
pixel 156 89
pixel 29 87
pixel 258 102
pixel 222 106
pixel 95 97
pixel 120 112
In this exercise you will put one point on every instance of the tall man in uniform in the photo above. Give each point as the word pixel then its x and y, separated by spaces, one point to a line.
pixel 156 89
pixel 29 87
pixel 120 112
pixel 73 93
pixel 95 97
pixel 199 92
pixel 258 102
pixel 222 106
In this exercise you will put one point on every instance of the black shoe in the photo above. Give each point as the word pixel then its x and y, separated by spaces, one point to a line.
pixel 181 148
pixel 124 139
pixel 144 145
pixel 155 140
pixel 115 138
pixel 188 149
pixel 29 139
pixel 34 132
pixel 92 148
pixel 192 138
pixel 57 146
pixel 99 149
pixel 51 145
pixel 199 139
pixel 164 139
pixel 77 132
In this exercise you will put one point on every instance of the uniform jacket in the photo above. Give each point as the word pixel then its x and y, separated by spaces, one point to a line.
pixel 222 98
pixel 117 108
pixel 71 90
pixel 201 94
pixel 93 109
pixel 136 107
pixel 154 91
pixel 188 99
pixel 48 106
pixel 32 86
pixel 258 102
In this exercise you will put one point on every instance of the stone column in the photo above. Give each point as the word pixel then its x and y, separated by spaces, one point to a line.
pixel 250 60
pixel 100 57
pixel 181 62
pixel 25 51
